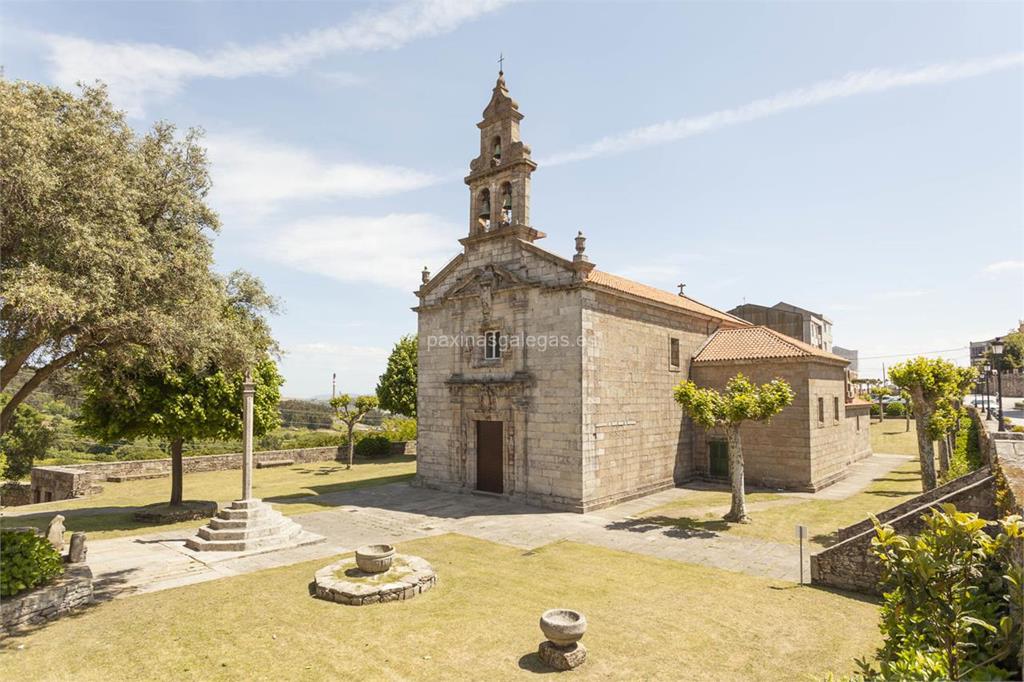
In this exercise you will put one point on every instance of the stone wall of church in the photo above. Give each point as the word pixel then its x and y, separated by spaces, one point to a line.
pixel 636 439
pixel 776 454
pixel 835 442
pixel 534 389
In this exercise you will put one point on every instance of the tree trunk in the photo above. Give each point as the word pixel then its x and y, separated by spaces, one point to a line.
pixel 738 510
pixel 177 471
pixel 351 445
pixel 925 447
pixel 944 454
pixel 907 413
pixel 40 375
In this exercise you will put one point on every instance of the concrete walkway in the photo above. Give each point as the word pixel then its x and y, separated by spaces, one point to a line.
pixel 397 512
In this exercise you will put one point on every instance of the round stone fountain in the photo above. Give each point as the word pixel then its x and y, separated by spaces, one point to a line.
pixel 563 628
pixel 375 574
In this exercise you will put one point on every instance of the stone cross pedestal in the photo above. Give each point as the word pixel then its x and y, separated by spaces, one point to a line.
pixel 249 524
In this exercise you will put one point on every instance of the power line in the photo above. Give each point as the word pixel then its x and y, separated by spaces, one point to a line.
pixel 907 355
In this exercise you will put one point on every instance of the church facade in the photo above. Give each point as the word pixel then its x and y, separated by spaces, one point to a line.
pixel 547 380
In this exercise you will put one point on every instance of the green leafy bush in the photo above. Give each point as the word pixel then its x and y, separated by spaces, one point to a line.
pixel 373 446
pixel 399 429
pixel 895 410
pixel 26 560
pixel 966 455
pixel 952 599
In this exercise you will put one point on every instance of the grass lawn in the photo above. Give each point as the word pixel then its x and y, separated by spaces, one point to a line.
pixel 777 522
pixel 892 438
pixel 295 489
pixel 648 619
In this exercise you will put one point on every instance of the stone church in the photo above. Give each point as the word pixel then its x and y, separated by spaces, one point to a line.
pixel 547 380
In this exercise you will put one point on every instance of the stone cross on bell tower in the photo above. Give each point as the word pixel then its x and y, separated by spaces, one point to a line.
pixel 499 179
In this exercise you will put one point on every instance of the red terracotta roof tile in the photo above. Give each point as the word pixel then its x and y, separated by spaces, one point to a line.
pixel 757 343
pixel 610 281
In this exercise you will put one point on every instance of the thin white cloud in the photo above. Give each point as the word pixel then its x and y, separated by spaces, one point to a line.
pixel 253 176
pixel 901 293
pixel 1004 266
pixel 850 85
pixel 310 365
pixel 138 72
pixel 388 250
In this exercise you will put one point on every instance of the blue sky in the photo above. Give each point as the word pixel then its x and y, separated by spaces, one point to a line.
pixel 865 159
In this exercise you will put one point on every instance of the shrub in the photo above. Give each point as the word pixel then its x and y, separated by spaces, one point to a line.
pixel 952 599
pixel 399 429
pixel 373 446
pixel 26 560
pixel 966 456
pixel 895 410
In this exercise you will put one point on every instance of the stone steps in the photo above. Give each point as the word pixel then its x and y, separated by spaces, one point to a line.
pixel 243 526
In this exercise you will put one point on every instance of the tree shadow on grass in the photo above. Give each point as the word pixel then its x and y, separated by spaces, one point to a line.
pixel 890 493
pixel 826 539
pixel 682 527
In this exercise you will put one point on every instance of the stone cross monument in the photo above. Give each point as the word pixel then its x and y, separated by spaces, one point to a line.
pixel 248 396
pixel 249 524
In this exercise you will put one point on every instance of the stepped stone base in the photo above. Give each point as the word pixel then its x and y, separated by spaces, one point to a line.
pixel 247 525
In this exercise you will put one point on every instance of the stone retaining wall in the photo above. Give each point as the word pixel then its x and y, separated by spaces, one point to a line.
pixel 66 593
pixel 14 494
pixel 915 502
pixel 64 482
pixel 850 565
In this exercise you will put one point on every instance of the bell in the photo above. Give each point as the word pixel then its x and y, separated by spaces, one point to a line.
pixel 497 150
pixel 507 204
pixel 485 208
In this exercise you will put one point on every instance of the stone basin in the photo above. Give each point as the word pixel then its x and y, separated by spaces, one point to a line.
pixel 563 627
pixel 375 558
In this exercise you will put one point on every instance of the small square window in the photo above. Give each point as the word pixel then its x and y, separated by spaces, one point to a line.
pixel 492 345
pixel 673 353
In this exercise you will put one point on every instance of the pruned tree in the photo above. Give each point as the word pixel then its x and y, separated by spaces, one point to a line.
pixel 106 236
pixel 396 389
pixel 175 404
pixel 742 401
pixel 934 385
pixel 351 411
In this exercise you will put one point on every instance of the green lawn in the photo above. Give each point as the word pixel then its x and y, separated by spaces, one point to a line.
pixel 780 514
pixel 892 438
pixel 648 619
pixel 295 489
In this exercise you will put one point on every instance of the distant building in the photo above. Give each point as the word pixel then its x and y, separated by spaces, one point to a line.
pixel 810 327
pixel 979 348
pixel 850 355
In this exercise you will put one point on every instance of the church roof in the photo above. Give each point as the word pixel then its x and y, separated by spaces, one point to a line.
pixel 758 343
pixel 628 286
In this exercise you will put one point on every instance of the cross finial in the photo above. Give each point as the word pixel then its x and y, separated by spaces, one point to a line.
pixel 501 64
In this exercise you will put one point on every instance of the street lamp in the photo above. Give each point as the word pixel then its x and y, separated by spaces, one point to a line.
pixel 997 357
pixel 987 369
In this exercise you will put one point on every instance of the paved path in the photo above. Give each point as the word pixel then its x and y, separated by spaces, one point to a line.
pixel 397 512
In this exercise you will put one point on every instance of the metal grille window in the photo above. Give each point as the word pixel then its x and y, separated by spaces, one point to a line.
pixel 492 345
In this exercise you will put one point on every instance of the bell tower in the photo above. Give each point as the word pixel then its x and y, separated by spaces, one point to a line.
pixel 499 179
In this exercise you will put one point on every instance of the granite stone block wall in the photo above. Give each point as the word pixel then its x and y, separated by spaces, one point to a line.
pixel 64 594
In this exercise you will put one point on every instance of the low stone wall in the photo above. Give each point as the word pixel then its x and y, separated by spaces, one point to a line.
pixel 68 592
pixel 1013 385
pixel 915 502
pixel 850 565
pixel 64 482
pixel 14 494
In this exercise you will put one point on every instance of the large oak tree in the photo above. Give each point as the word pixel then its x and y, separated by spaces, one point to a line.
pixel 106 237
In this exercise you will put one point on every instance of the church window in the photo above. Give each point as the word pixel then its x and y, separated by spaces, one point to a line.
pixel 506 203
pixel 492 345
pixel 673 353
pixel 821 410
pixel 835 406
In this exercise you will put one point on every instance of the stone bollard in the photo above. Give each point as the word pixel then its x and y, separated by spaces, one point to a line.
pixel 76 554
pixel 55 532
